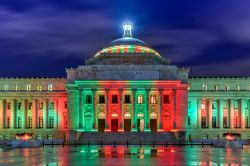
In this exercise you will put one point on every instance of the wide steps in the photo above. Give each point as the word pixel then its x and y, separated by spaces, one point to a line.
pixel 124 137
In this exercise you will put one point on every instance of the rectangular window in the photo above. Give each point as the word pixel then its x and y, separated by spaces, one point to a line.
pixel 214 122
pixel 225 122
pixel 65 104
pixel 203 122
pixel 40 125
pixel 189 104
pixel 39 87
pixel 17 87
pixel 166 99
pixel 238 87
pixel 203 105
pixel 88 99
pixel 6 87
pixel 214 105
pixel 19 122
pixel 28 87
pixel 227 88
pixel 8 105
pixel 127 99
pixel 65 118
pixel 216 87
pixel 50 87
pixel 236 122
pixel 29 124
pixel 30 106
pixel 19 105
pixel 52 105
pixel 51 122
pixel 114 99
pixel 204 86
pixel 153 99
pixel 101 99
pixel 140 99
pixel 41 105
pixel 189 121
pixel 246 122
pixel 8 122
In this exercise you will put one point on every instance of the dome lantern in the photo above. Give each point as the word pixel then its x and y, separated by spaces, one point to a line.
pixel 127 29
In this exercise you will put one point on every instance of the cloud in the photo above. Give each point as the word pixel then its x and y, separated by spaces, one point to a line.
pixel 238 67
pixel 229 20
pixel 179 45
pixel 40 31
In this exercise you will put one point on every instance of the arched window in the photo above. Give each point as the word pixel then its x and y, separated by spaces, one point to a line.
pixel 153 99
pixel 140 99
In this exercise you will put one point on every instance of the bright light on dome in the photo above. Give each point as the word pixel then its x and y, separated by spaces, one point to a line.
pixel 127 27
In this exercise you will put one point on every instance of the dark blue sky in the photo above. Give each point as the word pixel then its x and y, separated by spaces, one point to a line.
pixel 41 38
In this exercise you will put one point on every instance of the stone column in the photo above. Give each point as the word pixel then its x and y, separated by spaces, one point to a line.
pixel 2 110
pixel 210 111
pixel 13 113
pixel 231 114
pixel 73 109
pixel 198 113
pixel 146 117
pixel 94 109
pixel 121 110
pixel 34 114
pixel 174 108
pixel 24 116
pixel 221 110
pixel 45 112
pixel 56 111
pixel 242 113
pixel 239 113
pixel 160 109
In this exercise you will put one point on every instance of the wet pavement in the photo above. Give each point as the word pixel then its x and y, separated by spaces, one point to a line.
pixel 122 155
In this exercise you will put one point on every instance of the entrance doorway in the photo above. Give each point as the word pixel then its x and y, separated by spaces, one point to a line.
pixel 101 125
pixel 140 124
pixel 127 124
pixel 153 125
pixel 114 125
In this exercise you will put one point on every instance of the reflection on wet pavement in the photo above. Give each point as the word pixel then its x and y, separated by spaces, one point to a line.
pixel 122 155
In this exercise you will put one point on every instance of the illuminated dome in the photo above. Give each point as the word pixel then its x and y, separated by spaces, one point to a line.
pixel 127 45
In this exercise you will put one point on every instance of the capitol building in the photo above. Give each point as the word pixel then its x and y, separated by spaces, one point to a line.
pixel 125 87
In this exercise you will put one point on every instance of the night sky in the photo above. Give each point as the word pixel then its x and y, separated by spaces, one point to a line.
pixel 42 38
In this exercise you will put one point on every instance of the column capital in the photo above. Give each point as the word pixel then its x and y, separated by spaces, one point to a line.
pixel 147 90
pixel 120 90
pixel 134 90
pixel 107 90
pixel 161 90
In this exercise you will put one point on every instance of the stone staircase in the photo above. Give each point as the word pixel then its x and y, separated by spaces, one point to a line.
pixel 133 138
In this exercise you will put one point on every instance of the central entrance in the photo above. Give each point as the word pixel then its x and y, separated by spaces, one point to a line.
pixel 114 125
pixel 101 125
pixel 140 124
pixel 153 125
pixel 127 124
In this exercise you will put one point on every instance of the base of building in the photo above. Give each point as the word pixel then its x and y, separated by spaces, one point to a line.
pixel 136 138
pixel 213 134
